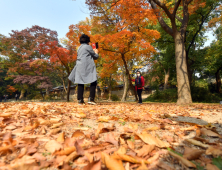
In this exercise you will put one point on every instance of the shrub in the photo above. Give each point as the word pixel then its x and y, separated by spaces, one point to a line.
pixel 169 95
pixel 114 97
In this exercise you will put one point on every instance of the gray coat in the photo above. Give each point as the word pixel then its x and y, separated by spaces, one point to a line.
pixel 84 71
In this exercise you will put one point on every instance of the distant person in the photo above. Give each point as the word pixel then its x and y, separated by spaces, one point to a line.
pixel 139 85
pixel 0 98
pixel 5 98
pixel 16 97
pixel 85 70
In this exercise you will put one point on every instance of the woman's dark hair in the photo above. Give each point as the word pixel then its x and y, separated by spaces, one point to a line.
pixel 139 72
pixel 84 39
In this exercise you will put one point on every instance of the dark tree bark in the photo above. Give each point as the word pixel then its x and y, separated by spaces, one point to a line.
pixel 68 90
pixel 128 76
pixel 218 80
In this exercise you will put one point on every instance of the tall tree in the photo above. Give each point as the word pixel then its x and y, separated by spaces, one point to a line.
pixel 22 51
pixel 177 12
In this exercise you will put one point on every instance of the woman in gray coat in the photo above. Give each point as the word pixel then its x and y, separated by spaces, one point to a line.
pixel 85 70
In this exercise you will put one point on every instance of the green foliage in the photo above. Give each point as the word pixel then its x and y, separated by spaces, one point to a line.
pixel 115 97
pixel 200 93
pixel 217 162
pixel 169 95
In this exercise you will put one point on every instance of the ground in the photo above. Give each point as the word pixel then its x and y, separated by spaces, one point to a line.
pixel 113 135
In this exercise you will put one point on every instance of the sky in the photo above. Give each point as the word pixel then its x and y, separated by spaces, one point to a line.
pixel 56 15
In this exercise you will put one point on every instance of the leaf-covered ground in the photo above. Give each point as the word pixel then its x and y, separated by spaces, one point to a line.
pixel 116 136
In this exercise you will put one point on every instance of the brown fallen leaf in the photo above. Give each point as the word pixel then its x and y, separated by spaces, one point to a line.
pixel 71 157
pixel 66 151
pixel 39 157
pixel 210 133
pixel 121 150
pixel 112 164
pixel 110 138
pixel 131 144
pixel 143 166
pixel 56 125
pixel 25 163
pixel 78 134
pixel 96 165
pixel 145 150
pixel 183 160
pixel 215 151
pixel 53 146
pixel 125 158
pixel 192 153
pixel 79 149
pixel 212 167
pixel 195 142
pixel 149 139
pixel 55 131
pixel 22 152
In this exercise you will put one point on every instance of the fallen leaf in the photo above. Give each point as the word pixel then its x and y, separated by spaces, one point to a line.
pixel 212 167
pixel 61 137
pixel 207 132
pixel 56 125
pixel 96 165
pixel 112 164
pixel 81 115
pixel 66 151
pixel 103 119
pixel 53 146
pixel 78 134
pixel 25 163
pixel 215 151
pixel 192 153
pixel 149 139
pixel 195 142
pixel 183 160
pixel 145 150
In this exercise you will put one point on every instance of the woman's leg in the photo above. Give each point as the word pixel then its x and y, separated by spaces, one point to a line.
pixel 80 92
pixel 92 91
pixel 139 92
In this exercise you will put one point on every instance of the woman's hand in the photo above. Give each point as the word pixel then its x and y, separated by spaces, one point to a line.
pixel 96 51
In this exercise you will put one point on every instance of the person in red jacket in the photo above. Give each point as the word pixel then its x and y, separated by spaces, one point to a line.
pixel 139 85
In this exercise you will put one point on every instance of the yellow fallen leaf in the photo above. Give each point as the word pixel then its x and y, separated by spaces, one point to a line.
pixel 112 164
pixel 61 137
pixel 149 139
pixel 56 125
pixel 103 119
pixel 81 115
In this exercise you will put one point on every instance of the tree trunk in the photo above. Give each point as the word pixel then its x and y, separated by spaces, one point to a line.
pixel 68 90
pixel 126 87
pixel 188 68
pixel 22 94
pixel 128 76
pixel 167 75
pixel 64 86
pixel 218 81
pixel 47 91
pixel 110 87
pixel 183 85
